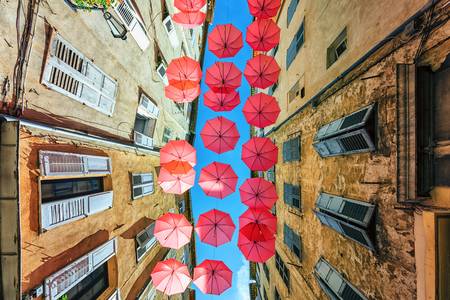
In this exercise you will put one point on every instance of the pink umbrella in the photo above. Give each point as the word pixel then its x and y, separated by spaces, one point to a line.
pixel 263 35
pixel 189 5
pixel 225 41
pixel 184 69
pixel 176 183
pixel 212 277
pixel 258 219
pixel 259 154
pixel 171 277
pixel 218 180
pixel 264 9
pixel 178 150
pixel 261 110
pixel 215 227
pixel 178 167
pixel 189 20
pixel 182 94
pixel 222 101
pixel 258 193
pixel 258 250
pixel 220 135
pixel 262 71
pixel 223 77
pixel 173 230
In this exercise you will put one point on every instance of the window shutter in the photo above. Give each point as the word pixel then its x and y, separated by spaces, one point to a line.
pixel 147 108
pixel 296 196
pixel 291 10
pixel 353 142
pixel 286 151
pixel 295 148
pixel 169 26
pixel 97 164
pixel 287 236
pixel 143 140
pixel 161 70
pixel 288 194
pixel 132 22
pixel 291 53
pixel 103 253
pixel 60 163
pixel 100 202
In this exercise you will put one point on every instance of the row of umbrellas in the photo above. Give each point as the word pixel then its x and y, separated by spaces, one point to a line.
pixel 190 14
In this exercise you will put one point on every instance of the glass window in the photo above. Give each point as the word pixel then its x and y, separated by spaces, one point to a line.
pixel 91 287
pixel 53 190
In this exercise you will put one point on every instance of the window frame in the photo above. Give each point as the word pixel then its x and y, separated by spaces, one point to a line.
pixel 150 243
pixel 290 201
pixel 290 239
pixel 283 270
pixel 298 41
pixel 290 148
pixel 332 53
pixel 292 8
pixel 142 185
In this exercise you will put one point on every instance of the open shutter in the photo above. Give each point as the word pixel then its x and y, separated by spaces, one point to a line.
pixel 291 10
pixel 169 26
pixel 287 236
pixel 161 70
pixel 97 164
pixel 104 253
pixel 132 22
pixel 296 196
pixel 60 163
pixel 147 108
pixel 291 53
pixel 100 202
pixel 287 194
pixel 286 151
pixel 350 143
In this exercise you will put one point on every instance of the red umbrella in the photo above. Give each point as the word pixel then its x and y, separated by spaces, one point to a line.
pixel 258 219
pixel 261 110
pixel 215 227
pixel 225 41
pixel 189 20
pixel 258 250
pixel 263 35
pixel 175 183
pixel 220 135
pixel 177 150
pixel 262 71
pixel 184 68
pixel 264 9
pixel 223 77
pixel 189 5
pixel 173 230
pixel 171 277
pixel 218 180
pixel 178 167
pixel 222 101
pixel 259 154
pixel 258 193
pixel 212 277
pixel 182 94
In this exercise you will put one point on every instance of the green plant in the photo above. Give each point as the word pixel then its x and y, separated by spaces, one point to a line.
pixel 94 3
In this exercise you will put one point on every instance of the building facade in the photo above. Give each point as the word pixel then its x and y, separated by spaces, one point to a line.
pixel 362 173
pixel 83 118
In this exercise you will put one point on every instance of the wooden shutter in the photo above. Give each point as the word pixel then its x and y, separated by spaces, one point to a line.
pixel 61 163
pixel 296 196
pixel 143 140
pixel 286 151
pixel 350 143
pixel 294 92
pixel 291 10
pixel 97 164
pixel 147 108
pixel 287 194
pixel 100 202
pixel 295 148
pixel 169 26
pixel 133 23
pixel 291 53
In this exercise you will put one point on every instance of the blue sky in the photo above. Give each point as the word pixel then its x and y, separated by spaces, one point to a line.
pixel 235 12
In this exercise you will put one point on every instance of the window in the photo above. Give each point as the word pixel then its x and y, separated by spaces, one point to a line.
pixel 291 150
pixel 334 284
pixel 351 134
pixel 292 240
pixel 168 24
pixel 273 88
pixel 145 240
pixel 91 287
pixel 275 50
pixel 181 206
pixel 70 73
pixel 142 185
pixel 291 10
pixel 266 272
pixel 282 270
pixel 145 122
pixel 294 92
pixel 277 295
pixel 296 45
pixel 270 174
pixel 274 209
pixel 292 195
pixel 132 21
pixel 53 190
pixel 348 217
pixel 265 294
pixel 337 48
pixel 166 135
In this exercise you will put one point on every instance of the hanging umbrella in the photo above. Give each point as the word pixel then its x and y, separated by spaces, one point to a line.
pixel 263 35
pixel 222 101
pixel 264 9
pixel 258 219
pixel 176 183
pixel 173 230
pixel 182 69
pixel 258 193
pixel 182 94
pixel 223 77
pixel 262 71
pixel 212 277
pixel 225 41
pixel 220 135
pixel 189 5
pixel 178 167
pixel 215 227
pixel 189 20
pixel 177 150
pixel 171 277
pixel 218 180
pixel 261 110
pixel 257 251
pixel 259 154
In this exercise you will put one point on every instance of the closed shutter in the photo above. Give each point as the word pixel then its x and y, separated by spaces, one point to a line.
pixel 287 236
pixel 287 193
pixel 132 22
pixel 61 163
pixel 286 151
pixel 291 53
pixel 97 164
pixel 294 92
pixel 295 148
pixel 291 10
pixel 350 143
pixel 103 253
pixel 142 185
pixel 100 202
pixel 296 196
pixel 169 26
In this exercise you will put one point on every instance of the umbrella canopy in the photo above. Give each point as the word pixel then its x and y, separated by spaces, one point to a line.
pixel 184 69
pixel 261 110
pixel 189 5
pixel 222 101
pixel 215 227
pixel 223 77
pixel 218 180
pixel 220 135
pixel 258 219
pixel 171 277
pixel 178 150
pixel 263 35
pixel 259 154
pixel 178 167
pixel 262 71
pixel 264 9
pixel 189 20
pixel 257 251
pixel 225 41
pixel 182 93
pixel 258 193
pixel 212 277
pixel 173 230
pixel 175 183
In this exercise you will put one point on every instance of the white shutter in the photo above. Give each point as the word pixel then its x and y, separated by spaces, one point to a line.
pixel 62 163
pixel 143 140
pixel 132 22
pixel 169 26
pixel 60 212
pixel 161 70
pixel 97 164
pixel 103 253
pixel 147 108
pixel 100 202
pixel 115 295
